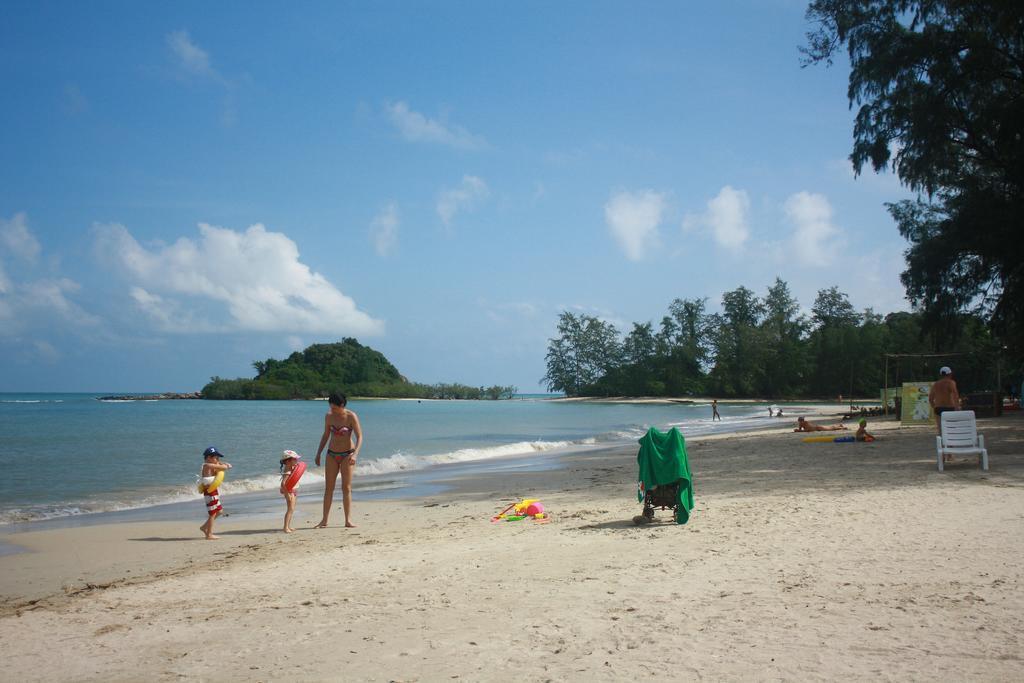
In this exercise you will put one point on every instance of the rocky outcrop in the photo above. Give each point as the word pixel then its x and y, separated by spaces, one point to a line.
pixel 168 396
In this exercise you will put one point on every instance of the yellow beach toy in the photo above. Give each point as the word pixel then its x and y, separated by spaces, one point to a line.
pixel 218 479
pixel 527 507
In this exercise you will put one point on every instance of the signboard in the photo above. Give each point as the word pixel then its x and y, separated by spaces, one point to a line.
pixel 890 399
pixel 915 408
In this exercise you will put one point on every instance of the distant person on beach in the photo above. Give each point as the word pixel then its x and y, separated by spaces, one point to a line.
pixel 862 431
pixel 943 396
pixel 714 411
pixel 288 462
pixel 342 430
pixel 778 413
pixel 211 466
pixel 803 425
pixel 770 413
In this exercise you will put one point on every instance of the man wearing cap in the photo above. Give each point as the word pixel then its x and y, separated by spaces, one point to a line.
pixel 943 396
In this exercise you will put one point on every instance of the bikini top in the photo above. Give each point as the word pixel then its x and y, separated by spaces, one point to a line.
pixel 344 430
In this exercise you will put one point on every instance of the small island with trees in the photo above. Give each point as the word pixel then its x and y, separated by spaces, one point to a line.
pixel 347 366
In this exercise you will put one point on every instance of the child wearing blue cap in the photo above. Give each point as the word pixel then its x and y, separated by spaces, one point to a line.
pixel 211 467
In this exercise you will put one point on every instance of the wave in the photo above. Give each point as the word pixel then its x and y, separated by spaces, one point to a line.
pixel 401 462
pixel 45 400
pixel 126 400
pixel 397 462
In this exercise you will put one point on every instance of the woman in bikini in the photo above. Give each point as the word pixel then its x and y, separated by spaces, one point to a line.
pixel 341 428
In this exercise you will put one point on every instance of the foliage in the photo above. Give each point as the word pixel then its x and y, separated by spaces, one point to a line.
pixel 940 91
pixel 759 348
pixel 585 351
pixel 344 366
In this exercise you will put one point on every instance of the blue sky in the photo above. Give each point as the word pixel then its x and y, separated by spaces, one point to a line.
pixel 188 187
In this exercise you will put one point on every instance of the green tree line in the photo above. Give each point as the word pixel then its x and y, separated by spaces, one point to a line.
pixel 759 347
pixel 346 366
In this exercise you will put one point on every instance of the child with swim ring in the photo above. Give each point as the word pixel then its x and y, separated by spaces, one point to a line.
pixel 212 466
pixel 288 464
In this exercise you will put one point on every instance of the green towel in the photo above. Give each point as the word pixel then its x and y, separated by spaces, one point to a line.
pixel 662 460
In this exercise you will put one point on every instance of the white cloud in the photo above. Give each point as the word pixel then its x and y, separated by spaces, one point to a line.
pixel 633 219
pixel 189 56
pixel 509 311
pixel 228 280
pixel 384 230
pixel 42 304
pixel 416 127
pixel 816 241
pixel 726 218
pixel 464 197
pixel 38 304
pixel 193 62
pixel 168 314
pixel 17 238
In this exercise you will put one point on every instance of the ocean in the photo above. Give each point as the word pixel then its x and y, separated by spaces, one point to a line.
pixel 65 455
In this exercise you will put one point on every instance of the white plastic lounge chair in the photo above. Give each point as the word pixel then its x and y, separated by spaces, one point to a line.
pixel 960 436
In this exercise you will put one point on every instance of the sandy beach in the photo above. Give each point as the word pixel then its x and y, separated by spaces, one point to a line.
pixel 800 561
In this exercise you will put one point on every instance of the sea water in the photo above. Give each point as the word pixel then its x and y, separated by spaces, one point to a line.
pixel 70 454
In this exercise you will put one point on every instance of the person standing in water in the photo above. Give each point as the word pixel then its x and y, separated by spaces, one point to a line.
pixel 345 436
pixel 714 410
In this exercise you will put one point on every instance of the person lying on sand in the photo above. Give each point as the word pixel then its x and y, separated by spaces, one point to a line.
pixel 803 425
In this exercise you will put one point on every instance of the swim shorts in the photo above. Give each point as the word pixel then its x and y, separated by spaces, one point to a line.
pixel 213 502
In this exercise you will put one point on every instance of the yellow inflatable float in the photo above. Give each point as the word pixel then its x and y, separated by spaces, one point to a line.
pixel 217 481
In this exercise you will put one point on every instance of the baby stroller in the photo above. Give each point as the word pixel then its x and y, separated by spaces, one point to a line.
pixel 662 497
pixel 664 479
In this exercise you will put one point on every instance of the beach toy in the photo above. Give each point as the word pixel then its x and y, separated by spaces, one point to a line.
pixel 843 439
pixel 501 515
pixel 525 503
pixel 527 507
pixel 293 479
pixel 218 479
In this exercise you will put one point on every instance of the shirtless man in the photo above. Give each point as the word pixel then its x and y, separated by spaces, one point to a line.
pixel 943 396
pixel 803 425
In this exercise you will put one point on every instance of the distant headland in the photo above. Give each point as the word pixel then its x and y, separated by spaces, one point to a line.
pixel 346 366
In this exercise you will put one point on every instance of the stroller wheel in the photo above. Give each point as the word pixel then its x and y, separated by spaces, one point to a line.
pixel 649 513
pixel 640 520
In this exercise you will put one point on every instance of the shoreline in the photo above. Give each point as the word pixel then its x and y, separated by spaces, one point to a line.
pixel 799 561
pixel 247 507
pixel 158 508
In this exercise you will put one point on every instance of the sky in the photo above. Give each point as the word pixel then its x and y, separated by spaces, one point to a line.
pixel 186 188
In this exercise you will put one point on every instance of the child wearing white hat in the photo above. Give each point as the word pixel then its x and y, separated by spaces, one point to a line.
pixel 289 461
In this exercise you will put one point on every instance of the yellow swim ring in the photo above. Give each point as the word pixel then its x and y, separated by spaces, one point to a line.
pixel 218 479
